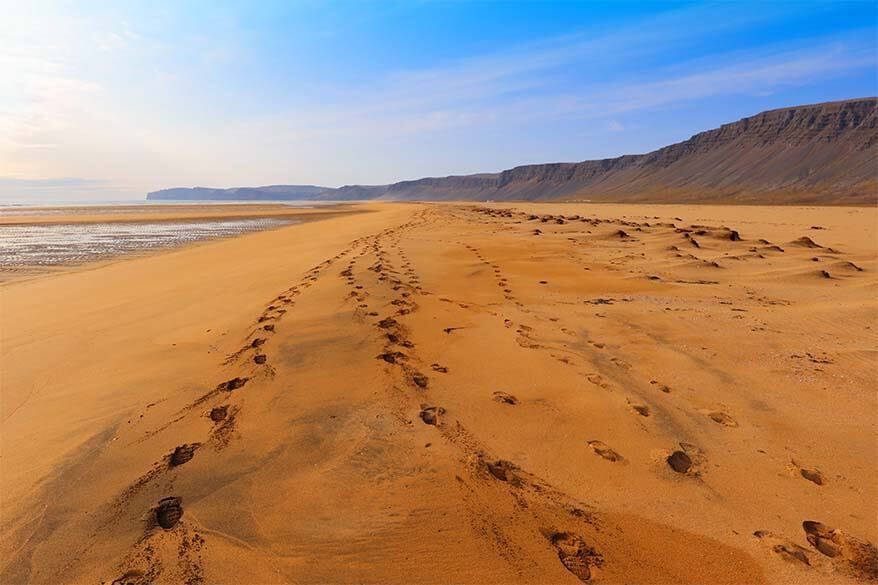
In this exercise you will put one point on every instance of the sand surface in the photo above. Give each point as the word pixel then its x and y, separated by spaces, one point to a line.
pixel 513 393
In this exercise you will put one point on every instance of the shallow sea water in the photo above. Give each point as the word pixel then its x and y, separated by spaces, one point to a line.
pixel 37 246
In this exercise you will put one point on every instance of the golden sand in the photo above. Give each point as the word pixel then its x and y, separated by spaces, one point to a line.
pixel 453 394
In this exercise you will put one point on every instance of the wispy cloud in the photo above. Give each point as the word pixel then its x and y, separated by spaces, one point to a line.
pixel 534 84
pixel 750 75
pixel 160 103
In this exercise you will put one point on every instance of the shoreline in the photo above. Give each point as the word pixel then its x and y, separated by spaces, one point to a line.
pixel 27 271
pixel 164 213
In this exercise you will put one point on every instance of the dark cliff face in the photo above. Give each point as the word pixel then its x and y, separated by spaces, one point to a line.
pixel 795 126
pixel 821 153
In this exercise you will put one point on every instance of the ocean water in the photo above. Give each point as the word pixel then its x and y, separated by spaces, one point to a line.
pixel 51 245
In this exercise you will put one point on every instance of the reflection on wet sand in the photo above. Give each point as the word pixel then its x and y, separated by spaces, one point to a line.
pixel 26 246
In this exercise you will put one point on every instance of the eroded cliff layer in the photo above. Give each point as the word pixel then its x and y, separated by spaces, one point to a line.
pixel 824 153
pixel 815 154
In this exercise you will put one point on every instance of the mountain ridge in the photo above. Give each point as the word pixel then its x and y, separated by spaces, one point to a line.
pixel 264 193
pixel 810 154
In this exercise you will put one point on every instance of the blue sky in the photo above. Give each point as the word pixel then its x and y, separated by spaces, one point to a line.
pixel 108 100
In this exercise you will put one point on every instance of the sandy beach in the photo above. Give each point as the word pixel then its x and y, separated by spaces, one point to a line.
pixel 452 393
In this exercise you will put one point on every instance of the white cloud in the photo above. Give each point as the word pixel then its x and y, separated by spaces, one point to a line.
pixel 757 75
pixel 511 92
pixel 99 97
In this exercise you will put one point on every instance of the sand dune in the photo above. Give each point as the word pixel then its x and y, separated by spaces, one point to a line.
pixel 533 393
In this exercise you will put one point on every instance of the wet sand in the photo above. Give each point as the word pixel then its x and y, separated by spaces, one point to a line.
pixel 158 212
pixel 38 240
pixel 453 393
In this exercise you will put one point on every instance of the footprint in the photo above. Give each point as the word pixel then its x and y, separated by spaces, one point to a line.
pixel 860 557
pixel 604 451
pixel 723 419
pixel 392 357
pixel 812 475
pixel 575 555
pixel 218 413
pixel 597 380
pixel 641 409
pixel 438 368
pixel 662 387
pixel 621 363
pixel 131 578
pixel 505 398
pixel 183 454
pixel 430 414
pixel 527 343
pixel 232 384
pixel 260 359
pixel 168 512
pixel 504 471
pixel 420 380
pixel 821 537
pixel 387 323
pixel 786 549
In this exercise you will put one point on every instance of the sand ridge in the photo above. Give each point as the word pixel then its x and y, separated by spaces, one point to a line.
pixel 458 393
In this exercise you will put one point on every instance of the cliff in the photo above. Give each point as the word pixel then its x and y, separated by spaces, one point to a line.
pixel 824 153
pixel 815 154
